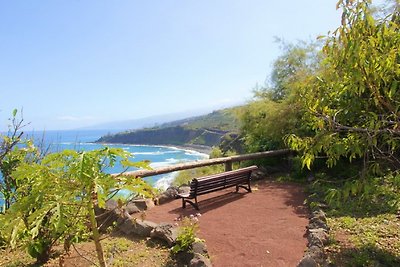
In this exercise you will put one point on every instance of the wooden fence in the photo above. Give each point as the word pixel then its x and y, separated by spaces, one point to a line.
pixel 227 161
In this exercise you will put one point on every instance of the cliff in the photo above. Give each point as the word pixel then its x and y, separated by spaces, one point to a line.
pixel 207 130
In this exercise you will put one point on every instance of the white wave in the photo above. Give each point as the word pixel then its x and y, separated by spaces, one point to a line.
pixel 155 153
pixel 165 181
pixel 168 162
pixel 196 153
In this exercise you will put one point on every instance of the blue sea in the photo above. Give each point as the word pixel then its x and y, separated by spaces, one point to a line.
pixel 159 156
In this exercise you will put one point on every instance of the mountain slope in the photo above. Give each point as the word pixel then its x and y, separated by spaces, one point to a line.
pixel 206 130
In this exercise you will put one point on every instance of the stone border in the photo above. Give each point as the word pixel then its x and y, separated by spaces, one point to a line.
pixel 198 256
pixel 317 236
pixel 166 232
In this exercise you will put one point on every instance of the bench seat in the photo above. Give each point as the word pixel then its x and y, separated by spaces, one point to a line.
pixel 207 184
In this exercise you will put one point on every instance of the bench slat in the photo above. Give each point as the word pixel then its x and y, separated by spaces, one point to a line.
pixel 215 182
pixel 228 173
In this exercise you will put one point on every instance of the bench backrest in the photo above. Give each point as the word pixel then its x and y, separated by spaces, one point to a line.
pixel 211 183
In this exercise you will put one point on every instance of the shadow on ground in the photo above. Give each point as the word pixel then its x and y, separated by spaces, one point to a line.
pixel 368 255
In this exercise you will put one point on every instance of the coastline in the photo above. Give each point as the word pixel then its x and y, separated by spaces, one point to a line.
pixel 206 150
pixel 198 148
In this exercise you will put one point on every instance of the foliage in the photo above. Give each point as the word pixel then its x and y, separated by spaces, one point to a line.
pixel 353 102
pixel 58 196
pixel 14 150
pixel 187 235
pixel 370 196
pixel 263 127
pixel 276 110
pixel 363 219
pixel 184 177
pixel 297 61
pixel 119 250
pixel 364 241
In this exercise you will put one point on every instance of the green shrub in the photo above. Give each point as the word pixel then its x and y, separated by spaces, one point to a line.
pixel 187 235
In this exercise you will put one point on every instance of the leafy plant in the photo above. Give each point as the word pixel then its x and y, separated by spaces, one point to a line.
pixel 59 195
pixel 187 235
pixel 352 103
pixel 14 150
pixel 277 109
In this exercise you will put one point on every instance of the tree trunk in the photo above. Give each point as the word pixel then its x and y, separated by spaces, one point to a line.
pixel 95 231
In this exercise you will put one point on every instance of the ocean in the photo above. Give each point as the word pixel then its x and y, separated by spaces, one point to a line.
pixel 83 140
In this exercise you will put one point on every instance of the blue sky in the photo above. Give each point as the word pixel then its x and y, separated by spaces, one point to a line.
pixel 76 63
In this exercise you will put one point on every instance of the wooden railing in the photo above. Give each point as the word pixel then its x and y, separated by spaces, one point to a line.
pixel 207 162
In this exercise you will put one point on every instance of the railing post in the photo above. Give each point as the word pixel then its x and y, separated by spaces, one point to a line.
pixel 228 166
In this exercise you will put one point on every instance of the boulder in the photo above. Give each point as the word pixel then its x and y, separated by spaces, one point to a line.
pixel 184 189
pixel 126 226
pixel 307 261
pixel 111 204
pixel 143 204
pixel 199 248
pixel 131 208
pixel 171 192
pixel 183 258
pixel 316 253
pixel 163 198
pixel 200 261
pixel 143 228
pixel 168 195
pixel 316 223
pixel 106 218
pixel 166 232
pixel 317 237
pixel 319 215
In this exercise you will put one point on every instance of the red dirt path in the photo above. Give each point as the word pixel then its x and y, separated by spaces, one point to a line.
pixel 263 228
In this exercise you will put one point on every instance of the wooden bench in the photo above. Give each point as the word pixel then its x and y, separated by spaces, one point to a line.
pixel 215 182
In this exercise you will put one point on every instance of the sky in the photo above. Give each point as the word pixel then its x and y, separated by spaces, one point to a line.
pixel 76 63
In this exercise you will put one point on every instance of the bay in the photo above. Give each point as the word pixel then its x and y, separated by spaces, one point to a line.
pixel 84 140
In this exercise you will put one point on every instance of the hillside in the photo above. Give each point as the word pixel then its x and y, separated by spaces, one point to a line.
pixel 206 130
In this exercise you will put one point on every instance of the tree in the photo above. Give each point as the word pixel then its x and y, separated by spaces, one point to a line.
pixel 353 103
pixel 58 196
pixel 277 110
pixel 14 149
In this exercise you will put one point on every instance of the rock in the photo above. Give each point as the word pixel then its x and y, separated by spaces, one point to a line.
pixel 258 174
pixel 316 253
pixel 143 228
pixel 131 208
pixel 166 232
pixel 200 261
pixel 138 227
pixel 111 204
pixel 126 226
pixel 199 248
pixel 163 199
pixel 307 261
pixel 183 189
pixel 317 237
pixel 319 215
pixel 171 192
pixel 168 195
pixel 143 204
pixel 317 223
pixel 183 258
pixel 106 218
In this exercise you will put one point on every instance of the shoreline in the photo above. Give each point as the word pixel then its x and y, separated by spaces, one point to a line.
pixel 206 150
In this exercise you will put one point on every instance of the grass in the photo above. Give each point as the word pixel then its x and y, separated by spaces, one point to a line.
pixel 119 251
pixel 184 177
pixel 368 241
pixel 364 226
